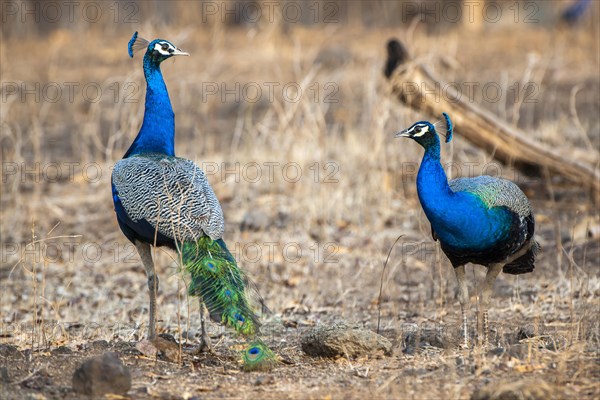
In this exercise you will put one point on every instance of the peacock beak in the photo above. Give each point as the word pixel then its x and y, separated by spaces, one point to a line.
pixel 179 52
pixel 402 133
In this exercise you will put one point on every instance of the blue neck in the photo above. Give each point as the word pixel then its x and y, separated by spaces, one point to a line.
pixel 432 183
pixel 157 134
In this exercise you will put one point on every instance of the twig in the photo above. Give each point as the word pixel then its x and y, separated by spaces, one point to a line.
pixel 381 283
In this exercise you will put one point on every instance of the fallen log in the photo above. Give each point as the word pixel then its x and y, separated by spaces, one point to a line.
pixel 416 86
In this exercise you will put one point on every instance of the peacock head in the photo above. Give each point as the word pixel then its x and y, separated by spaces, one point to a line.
pixel 157 50
pixel 424 133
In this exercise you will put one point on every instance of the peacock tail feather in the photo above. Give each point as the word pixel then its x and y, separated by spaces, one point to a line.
pixel 224 288
pixel 257 356
pixel 229 295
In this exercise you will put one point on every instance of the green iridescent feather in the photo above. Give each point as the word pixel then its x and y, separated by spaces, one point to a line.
pixel 257 356
pixel 228 294
pixel 223 287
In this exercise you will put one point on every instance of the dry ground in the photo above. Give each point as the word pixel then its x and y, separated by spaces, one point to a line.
pixel 315 242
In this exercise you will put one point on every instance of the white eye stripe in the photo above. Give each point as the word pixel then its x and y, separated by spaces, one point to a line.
pixel 424 130
pixel 158 47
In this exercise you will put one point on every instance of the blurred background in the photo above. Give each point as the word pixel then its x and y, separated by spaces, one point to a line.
pixel 285 105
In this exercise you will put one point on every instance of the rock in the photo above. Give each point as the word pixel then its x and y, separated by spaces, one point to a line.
pixel 255 220
pixel 161 346
pixel 38 380
pixel 526 332
pixel 342 339
pixel 62 350
pixel 282 219
pixel 101 375
pixel 96 345
pixel 264 380
pixel 9 351
pixel 127 349
pixel 427 338
pixel 527 389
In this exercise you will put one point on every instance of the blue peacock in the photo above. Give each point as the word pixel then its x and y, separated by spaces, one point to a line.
pixel 164 200
pixel 482 220
pixel 574 12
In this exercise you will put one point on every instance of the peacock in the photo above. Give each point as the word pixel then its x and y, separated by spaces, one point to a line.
pixel 164 200
pixel 483 220
pixel 574 12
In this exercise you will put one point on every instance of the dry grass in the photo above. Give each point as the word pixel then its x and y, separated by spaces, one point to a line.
pixel 82 281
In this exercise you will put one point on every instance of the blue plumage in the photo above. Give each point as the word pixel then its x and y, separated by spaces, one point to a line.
pixel 157 134
pixel 483 220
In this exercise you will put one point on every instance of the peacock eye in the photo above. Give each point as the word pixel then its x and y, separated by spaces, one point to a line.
pixel 165 46
pixel 418 129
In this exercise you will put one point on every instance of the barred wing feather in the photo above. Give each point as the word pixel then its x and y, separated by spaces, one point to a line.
pixel 171 193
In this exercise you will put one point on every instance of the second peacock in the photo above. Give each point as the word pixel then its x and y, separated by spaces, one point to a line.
pixel 164 200
pixel 482 220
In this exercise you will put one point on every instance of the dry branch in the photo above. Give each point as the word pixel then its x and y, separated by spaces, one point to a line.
pixel 414 84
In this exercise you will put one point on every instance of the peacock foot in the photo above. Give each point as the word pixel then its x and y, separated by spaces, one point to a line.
pixel 203 347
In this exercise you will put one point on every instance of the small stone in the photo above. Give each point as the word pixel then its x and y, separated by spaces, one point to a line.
pixel 101 375
pixel 526 332
pixel 496 352
pixel 415 341
pixel 62 350
pixel 264 380
pixel 282 219
pixel 160 346
pixel 9 351
pixel 342 339
pixel 97 345
pixel 126 348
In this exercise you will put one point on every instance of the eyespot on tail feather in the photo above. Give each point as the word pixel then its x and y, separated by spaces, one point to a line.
pixel 257 356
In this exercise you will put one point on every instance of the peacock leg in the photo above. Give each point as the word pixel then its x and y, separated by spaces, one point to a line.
pixel 145 252
pixel 463 298
pixel 204 339
pixel 486 294
pixel 204 345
